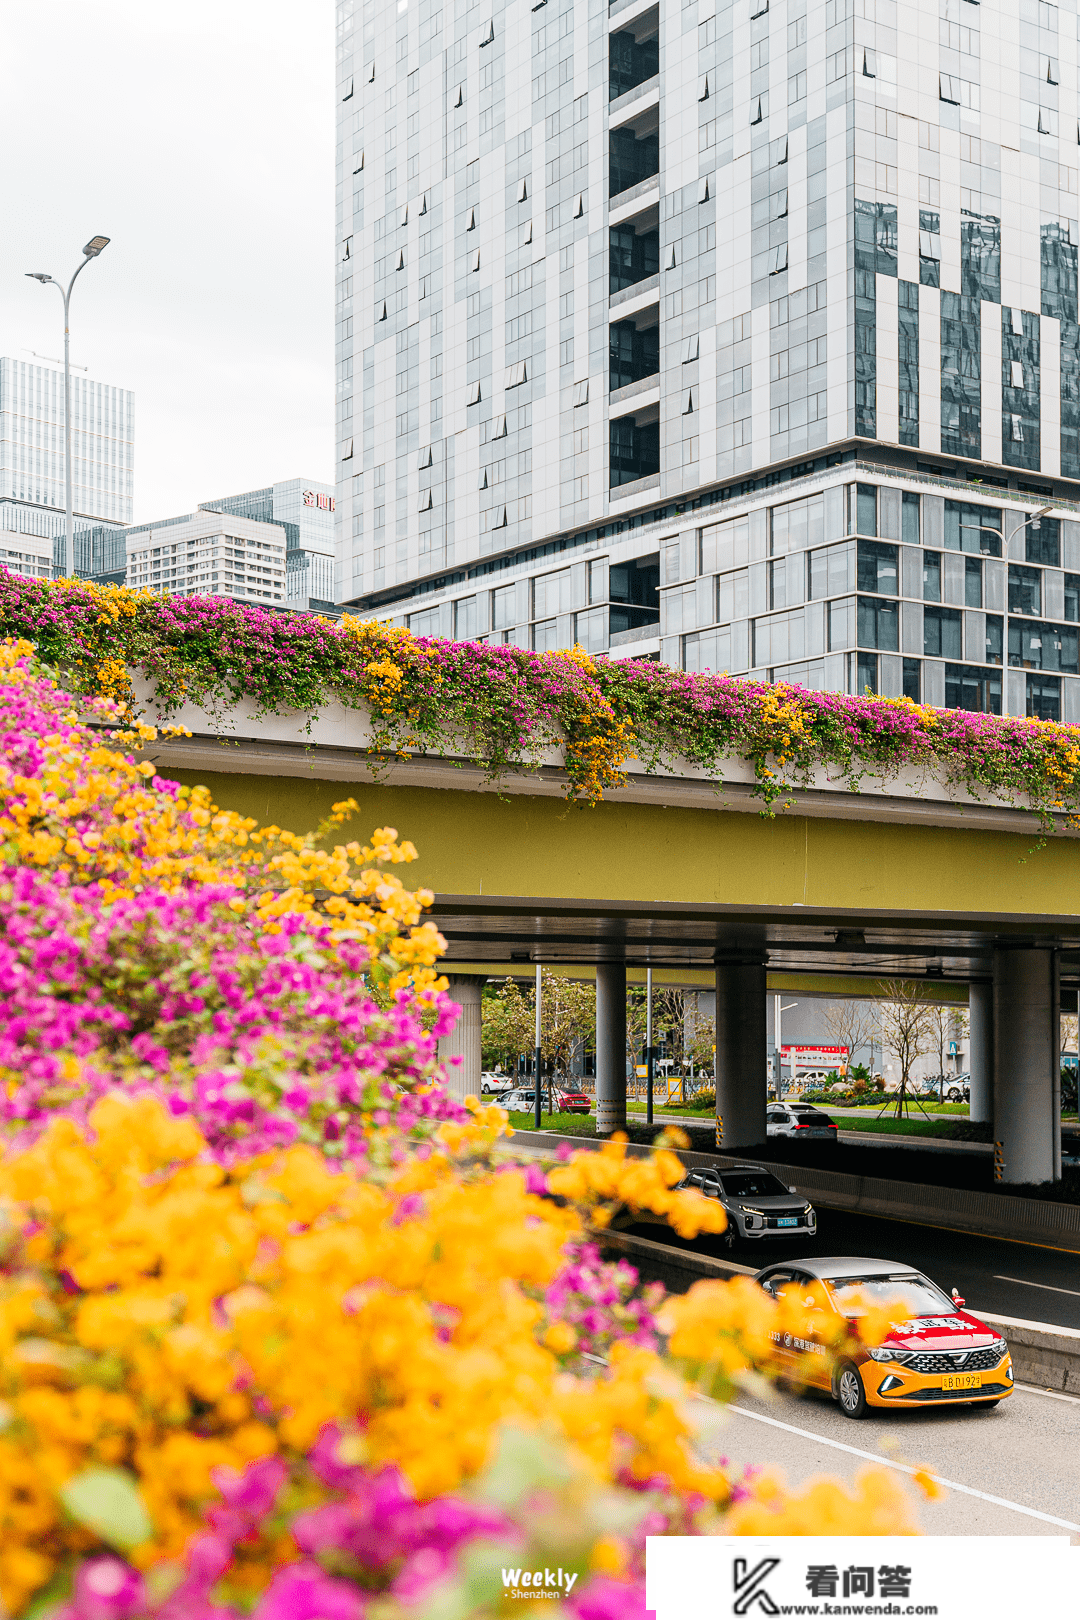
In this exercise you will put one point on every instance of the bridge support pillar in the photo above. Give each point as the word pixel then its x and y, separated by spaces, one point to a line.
pixel 981 1048
pixel 742 1054
pixel 610 1047
pixel 1027 1079
pixel 463 1079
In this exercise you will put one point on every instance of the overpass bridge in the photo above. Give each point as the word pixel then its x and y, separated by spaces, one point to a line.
pixel 681 872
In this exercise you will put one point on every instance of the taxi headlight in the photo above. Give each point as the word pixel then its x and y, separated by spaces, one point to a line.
pixel 885 1353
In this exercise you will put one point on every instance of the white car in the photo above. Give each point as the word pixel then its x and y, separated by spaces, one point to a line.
pixel 802 1121
pixel 492 1083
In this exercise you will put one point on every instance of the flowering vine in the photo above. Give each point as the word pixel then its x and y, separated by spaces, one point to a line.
pixel 505 707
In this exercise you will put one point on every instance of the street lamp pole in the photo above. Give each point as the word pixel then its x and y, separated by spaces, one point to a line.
pixel 93 248
pixel 537 1052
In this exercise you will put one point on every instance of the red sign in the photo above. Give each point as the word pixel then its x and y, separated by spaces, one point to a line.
pixel 325 503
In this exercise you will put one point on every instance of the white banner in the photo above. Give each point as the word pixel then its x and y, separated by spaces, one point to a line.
pixel 952 1577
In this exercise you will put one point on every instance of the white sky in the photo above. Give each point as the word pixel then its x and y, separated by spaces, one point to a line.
pixel 199 137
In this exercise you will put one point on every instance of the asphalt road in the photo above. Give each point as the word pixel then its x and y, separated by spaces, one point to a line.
pixel 1012 1279
pixel 1007 1472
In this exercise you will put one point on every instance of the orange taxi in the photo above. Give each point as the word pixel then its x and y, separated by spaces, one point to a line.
pixel 935 1352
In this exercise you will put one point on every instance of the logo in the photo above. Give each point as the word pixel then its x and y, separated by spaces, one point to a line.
pixel 325 503
pixel 538 1583
pixel 749 1586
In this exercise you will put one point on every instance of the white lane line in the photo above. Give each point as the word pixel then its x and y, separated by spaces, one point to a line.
pixel 1049 1287
pixel 1051 1394
pixel 905 1468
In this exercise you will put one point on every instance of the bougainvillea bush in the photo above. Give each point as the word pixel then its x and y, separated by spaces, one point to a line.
pixel 504 707
pixel 282 1328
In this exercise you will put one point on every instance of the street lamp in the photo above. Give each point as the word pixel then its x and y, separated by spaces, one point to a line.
pixel 95 246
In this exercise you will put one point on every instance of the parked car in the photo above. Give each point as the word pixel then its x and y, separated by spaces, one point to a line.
pixel 492 1083
pixel 800 1120
pixel 757 1205
pixel 519 1101
pixel 573 1102
pixel 958 1088
pixel 934 1352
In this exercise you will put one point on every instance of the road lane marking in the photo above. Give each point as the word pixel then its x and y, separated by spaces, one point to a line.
pixel 906 1468
pixel 1050 1289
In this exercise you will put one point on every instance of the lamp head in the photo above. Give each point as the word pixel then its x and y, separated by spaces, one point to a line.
pixel 1043 511
pixel 37 275
pixel 96 245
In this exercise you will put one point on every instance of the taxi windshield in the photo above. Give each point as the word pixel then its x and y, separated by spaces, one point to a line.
pixel 914 1295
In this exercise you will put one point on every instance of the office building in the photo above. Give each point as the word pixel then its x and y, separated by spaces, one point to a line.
pixel 744 334
pixel 32 487
pixel 304 508
pixel 210 553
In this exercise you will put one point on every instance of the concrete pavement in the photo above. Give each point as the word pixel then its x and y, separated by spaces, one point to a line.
pixel 1007 1472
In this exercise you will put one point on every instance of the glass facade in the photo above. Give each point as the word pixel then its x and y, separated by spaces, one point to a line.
pixel 32 442
pixel 784 296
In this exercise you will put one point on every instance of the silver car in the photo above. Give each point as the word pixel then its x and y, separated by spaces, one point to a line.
pixel 757 1205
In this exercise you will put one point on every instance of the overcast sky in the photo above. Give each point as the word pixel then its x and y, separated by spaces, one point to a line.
pixel 200 138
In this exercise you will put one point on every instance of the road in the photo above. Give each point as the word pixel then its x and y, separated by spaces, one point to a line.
pixel 1021 1280
pixel 1007 1472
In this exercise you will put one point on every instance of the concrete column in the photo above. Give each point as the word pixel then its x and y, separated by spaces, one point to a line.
pixel 742 1054
pixel 981 1047
pixel 1026 1041
pixel 610 1047
pixel 463 1079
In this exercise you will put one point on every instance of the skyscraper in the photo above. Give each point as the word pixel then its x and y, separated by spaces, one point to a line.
pixel 744 334
pixel 32 495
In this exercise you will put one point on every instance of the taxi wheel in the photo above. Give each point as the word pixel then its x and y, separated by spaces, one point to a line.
pixel 850 1392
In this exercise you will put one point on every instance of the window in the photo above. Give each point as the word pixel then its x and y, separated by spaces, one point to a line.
pixel 974 529
pixel 968 687
pixel 931 576
pixel 832 570
pixel 1025 589
pixel 912 682
pixel 973 587
pixel 995 644
pixel 1072 597
pixel 798 525
pixel 725 545
pixel 866 674
pixel 466 618
pixel 733 596
pixel 941 633
pixel 878 568
pixel 581 393
pixel 1043 646
pixel 551 593
pixel 1043 543
pixel 842 624
pixel 1043 697
pixel 545 636
pixel 879 624
pixel 505 608
pixel 865 513
pixel 910 520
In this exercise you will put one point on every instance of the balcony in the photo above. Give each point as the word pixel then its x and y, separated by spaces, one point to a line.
pixel 634 154
pixel 634 350
pixel 634 53
pixel 634 448
pixel 634 252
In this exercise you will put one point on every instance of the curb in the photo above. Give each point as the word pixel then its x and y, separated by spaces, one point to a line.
pixel 1030 1220
pixel 1043 1355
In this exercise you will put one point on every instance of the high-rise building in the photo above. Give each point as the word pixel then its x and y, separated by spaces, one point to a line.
pixel 742 333
pixel 210 553
pixel 305 510
pixel 32 492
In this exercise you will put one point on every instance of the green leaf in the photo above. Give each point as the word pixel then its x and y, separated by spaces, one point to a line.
pixel 107 1501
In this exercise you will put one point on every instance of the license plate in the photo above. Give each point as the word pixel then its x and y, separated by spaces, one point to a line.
pixel 962 1381
pixel 788 1220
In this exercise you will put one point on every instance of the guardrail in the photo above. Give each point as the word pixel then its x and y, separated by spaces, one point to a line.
pixel 1032 1220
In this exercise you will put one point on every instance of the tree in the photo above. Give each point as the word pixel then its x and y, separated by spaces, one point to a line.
pixel 508 1021
pixel 947 1024
pixel 852 1024
pixel 905 1019
pixel 668 1024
